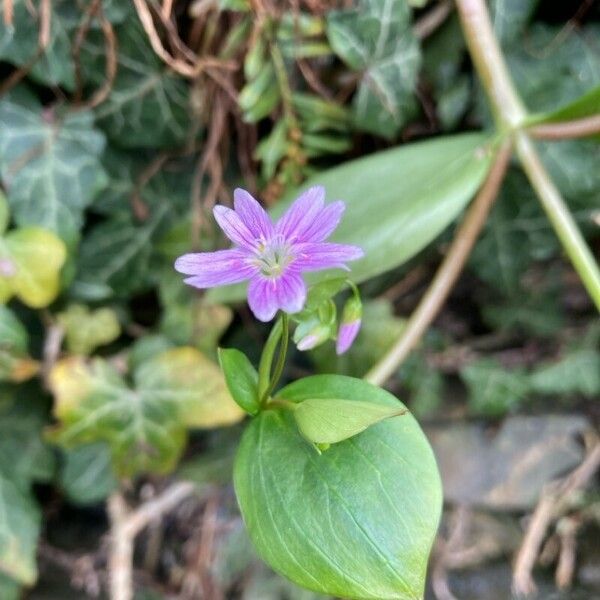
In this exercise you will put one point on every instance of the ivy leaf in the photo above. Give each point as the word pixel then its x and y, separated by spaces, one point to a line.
pixel 87 476
pixel 15 363
pixel 114 258
pixel 24 457
pixel 376 39
pixel 30 262
pixel 494 391
pixel 307 514
pixel 19 42
pixel 19 530
pixel 148 105
pixel 9 588
pixel 144 424
pixel 578 372
pixel 510 17
pixel 332 420
pixel 85 329
pixel 49 165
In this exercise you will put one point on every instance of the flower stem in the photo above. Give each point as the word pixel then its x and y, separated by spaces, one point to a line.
pixel 266 381
pixel 560 216
pixel 565 130
pixel 447 273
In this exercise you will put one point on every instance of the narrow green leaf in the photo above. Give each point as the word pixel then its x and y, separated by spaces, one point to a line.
pixel 356 521
pixel 585 106
pixel 397 201
pixel 331 420
pixel 241 378
pixel 4 213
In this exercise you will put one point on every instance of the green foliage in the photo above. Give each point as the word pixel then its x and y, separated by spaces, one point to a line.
pixel 337 543
pixel 50 162
pixel 15 363
pixel 85 330
pixel 30 262
pixel 241 378
pixel 577 372
pixel 376 40
pixel 149 105
pixel 493 390
pixel 87 475
pixel 144 425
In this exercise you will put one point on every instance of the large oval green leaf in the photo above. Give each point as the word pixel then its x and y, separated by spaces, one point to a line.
pixel 397 201
pixel 358 520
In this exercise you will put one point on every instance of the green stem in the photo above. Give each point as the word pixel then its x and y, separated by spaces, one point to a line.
pixel 266 359
pixel 510 114
pixel 560 216
pixel 266 381
pixel 285 330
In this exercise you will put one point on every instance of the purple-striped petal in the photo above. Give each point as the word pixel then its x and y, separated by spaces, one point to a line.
pixel 210 269
pixel 290 290
pixel 252 214
pixel 301 215
pixel 233 226
pixel 262 298
pixel 323 226
pixel 316 256
pixel 267 295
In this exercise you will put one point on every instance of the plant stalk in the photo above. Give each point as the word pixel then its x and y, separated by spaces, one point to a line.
pixel 280 364
pixel 448 272
pixel 509 113
pixel 560 216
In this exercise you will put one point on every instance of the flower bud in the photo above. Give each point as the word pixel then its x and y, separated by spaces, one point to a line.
pixel 316 336
pixel 350 325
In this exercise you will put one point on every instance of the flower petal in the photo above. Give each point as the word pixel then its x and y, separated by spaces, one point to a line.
pixel 290 290
pixel 252 214
pixel 262 298
pixel 326 223
pixel 301 215
pixel 233 226
pixel 210 269
pixel 346 336
pixel 316 256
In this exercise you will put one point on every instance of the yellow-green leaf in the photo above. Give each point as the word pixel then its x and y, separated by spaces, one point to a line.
pixel 85 329
pixel 145 423
pixel 30 263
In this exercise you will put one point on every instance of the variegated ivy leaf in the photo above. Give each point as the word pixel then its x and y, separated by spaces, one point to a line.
pixel 375 38
pixel 30 262
pixel 145 423
pixel 148 105
pixel 49 163
pixel 19 41
pixel 19 529
pixel 15 363
pixel 87 329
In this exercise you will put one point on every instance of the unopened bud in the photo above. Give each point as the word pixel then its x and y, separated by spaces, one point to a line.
pixel 350 325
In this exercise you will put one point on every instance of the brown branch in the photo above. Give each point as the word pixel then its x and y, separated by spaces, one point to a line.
pixel 555 500
pixel 430 21
pixel 125 526
pixel 566 130
pixel 448 272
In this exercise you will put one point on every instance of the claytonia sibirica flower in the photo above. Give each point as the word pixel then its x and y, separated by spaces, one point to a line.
pixel 272 257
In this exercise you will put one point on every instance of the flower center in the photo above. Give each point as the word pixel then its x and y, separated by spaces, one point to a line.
pixel 273 256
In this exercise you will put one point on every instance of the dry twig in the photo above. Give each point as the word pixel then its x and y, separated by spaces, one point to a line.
pixel 554 501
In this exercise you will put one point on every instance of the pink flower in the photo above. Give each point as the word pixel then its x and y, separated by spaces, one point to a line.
pixel 272 257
